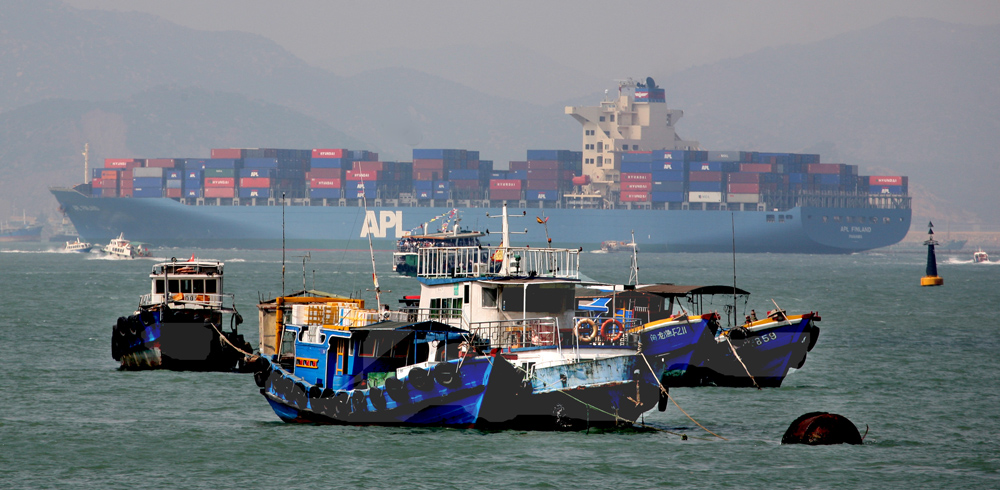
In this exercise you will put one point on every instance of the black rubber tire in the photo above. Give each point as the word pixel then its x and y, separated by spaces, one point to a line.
pixel 377 397
pixel 396 390
pixel 315 391
pixel 341 405
pixel 420 379
pixel 359 403
pixel 448 375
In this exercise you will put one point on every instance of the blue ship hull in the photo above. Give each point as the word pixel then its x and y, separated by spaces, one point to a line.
pixel 674 346
pixel 168 223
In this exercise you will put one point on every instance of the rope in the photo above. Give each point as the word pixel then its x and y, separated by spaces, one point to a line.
pixel 665 392
pixel 731 346
pixel 251 357
pixel 634 422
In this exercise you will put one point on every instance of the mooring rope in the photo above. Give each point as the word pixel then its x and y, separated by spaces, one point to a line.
pixel 731 346
pixel 665 392
pixel 251 357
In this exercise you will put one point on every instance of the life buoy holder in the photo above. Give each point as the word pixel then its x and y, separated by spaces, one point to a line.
pixel 617 336
pixel 593 330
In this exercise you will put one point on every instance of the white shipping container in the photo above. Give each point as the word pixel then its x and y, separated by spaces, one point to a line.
pixel 751 198
pixel 704 197
pixel 147 172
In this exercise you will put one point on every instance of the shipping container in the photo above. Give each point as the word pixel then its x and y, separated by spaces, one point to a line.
pixel 662 196
pixel 365 175
pixel 636 186
pixel 505 194
pixel 321 183
pixel 327 153
pixel 428 164
pixel 559 155
pixel 668 176
pixel 706 167
pixel 756 167
pixel 637 177
pixel 542 174
pixel 744 177
pixel 220 172
pixel 637 167
pixel 888 189
pixel 743 188
pixel 441 185
pixel 219 182
pixel 541 195
pixel 509 184
pixel 713 176
pixel 441 193
pixel 321 173
pixel 324 193
pixel 465 184
pixel 174 184
pixel 325 163
pixel 223 192
pixel 173 192
pixel 192 192
pixel 106 192
pixel 634 196
pixel 536 185
pixel 742 198
pixel 147 182
pixel 518 166
pixel 147 192
pixel 109 174
pixel 705 196
pixel 460 174
pixel 367 193
pixel 255 182
pixel 121 163
pixel 669 166
pixel 173 174
pixel 885 180
pixel 695 186
pixel 255 192
pixel 260 163
pixel 724 156
pixel 637 157
pixel 227 153
pixel 192 175
pixel 667 186
pixel 825 168
pixel 160 163
pixel 542 165
pixel 826 179
pixel 125 192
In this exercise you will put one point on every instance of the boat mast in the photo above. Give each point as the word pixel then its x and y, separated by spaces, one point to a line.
pixel 371 250
pixel 86 163
pixel 634 272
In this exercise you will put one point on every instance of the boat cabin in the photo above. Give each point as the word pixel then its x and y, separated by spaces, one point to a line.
pixel 186 284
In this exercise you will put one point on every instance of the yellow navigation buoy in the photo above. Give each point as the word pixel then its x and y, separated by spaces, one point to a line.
pixel 932 278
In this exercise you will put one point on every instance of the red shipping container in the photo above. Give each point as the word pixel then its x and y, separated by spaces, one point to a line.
pixel 235 153
pixel 219 182
pixel 632 196
pixel 756 167
pixel 499 184
pixel 465 184
pixel 163 162
pixel 428 164
pixel 519 165
pixel 126 184
pixel 328 153
pixel 220 192
pixel 506 194
pixel 543 174
pixel 109 192
pixel 98 183
pixel 637 186
pixel 174 192
pixel 109 175
pixel 744 188
pixel 255 182
pixel 120 163
pixel 542 165
pixel 367 175
pixel 744 177
pixel 824 168
pixel 321 183
pixel 324 173
pixel 541 185
pixel 637 177
pixel 707 176
pixel 427 174
pixel 885 180
pixel 127 192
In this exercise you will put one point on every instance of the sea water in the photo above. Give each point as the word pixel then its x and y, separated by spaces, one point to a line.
pixel 917 368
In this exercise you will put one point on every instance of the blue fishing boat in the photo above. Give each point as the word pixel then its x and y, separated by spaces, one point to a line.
pixel 180 324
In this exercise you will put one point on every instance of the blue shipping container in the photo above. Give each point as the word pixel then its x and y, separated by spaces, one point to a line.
pixel 637 167
pixel 147 192
pixel 323 163
pixel 174 174
pixel 192 184
pixel 428 153
pixel 324 193
pixel 257 172
pixel 827 179
pixel 888 189
pixel 705 186
pixel 147 182
pixel 442 185
pixel 441 194
pixel 192 174
pixel 707 166
pixel 517 175
pixel 424 194
pixel 659 196
pixel 638 157
pixel 668 186
pixel 533 195
pixel 463 174
pixel 668 175
pixel 256 192
pixel 195 163
pixel 221 163
pixel 797 178
pixel 668 165
pixel 423 185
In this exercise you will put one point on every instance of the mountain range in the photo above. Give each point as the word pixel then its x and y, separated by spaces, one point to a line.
pixel 910 97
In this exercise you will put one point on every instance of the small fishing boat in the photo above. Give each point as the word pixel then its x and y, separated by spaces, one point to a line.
pixel 180 323
pixel 78 246
pixel 611 246
pixel 124 249
pixel 979 256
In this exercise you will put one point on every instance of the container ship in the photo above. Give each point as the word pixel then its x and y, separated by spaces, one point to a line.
pixel 633 173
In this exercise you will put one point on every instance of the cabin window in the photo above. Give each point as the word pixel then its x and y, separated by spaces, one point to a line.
pixel 601 119
pixel 186 285
pixel 540 299
pixel 158 285
pixel 210 287
pixel 770 218
pixel 288 344
pixel 199 287
pixel 788 217
pixel 465 294
pixel 489 298
pixel 173 286
pixel 781 218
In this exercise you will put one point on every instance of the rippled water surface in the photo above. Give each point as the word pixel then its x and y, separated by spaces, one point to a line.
pixel 918 366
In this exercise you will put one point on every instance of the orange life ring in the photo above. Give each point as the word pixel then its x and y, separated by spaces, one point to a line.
pixel 593 330
pixel 621 329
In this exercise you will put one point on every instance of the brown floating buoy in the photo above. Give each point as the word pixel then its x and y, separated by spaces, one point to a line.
pixel 819 428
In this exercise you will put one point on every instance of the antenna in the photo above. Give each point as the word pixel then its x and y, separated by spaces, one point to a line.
pixel 305 258
pixel 505 238
pixel 732 222
pixel 634 270
pixel 86 163
pixel 371 250
pixel 282 244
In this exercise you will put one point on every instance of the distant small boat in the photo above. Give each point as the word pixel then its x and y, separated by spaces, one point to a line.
pixel 78 246
pixel 618 246
pixel 122 248
pixel 980 256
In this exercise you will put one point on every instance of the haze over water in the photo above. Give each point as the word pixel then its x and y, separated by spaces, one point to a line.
pixel 918 366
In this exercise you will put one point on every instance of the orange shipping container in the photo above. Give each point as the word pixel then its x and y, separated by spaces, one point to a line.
pixel 499 184
pixel 227 192
pixel 324 183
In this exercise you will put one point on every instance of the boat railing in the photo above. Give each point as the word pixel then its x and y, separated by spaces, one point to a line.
pixel 508 335
pixel 457 262
pixel 189 300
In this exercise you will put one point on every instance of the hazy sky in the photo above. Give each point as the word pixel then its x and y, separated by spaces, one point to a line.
pixel 606 39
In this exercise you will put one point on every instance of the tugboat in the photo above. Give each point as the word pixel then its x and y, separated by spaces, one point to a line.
pixel 180 324
pixel 979 256
pixel 124 249
pixel 78 246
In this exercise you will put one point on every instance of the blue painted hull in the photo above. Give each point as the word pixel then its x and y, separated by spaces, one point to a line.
pixel 461 405
pixel 674 346
pixel 767 355
pixel 185 341
pixel 168 223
